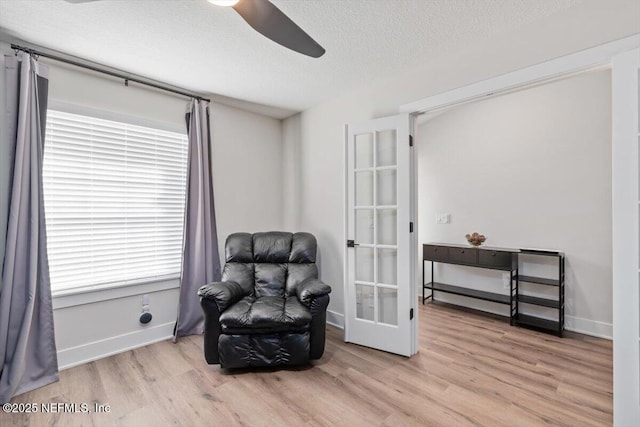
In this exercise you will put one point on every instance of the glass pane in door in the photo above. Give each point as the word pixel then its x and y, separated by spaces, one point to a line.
pixel 364 150
pixel 386 187
pixel 364 226
pixel 386 148
pixel 387 226
pixel 387 266
pixel 365 302
pixel 364 188
pixel 364 264
pixel 388 306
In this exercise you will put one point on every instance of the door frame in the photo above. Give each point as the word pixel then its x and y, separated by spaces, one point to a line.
pixel 625 93
pixel 540 73
pixel 601 56
pixel 561 67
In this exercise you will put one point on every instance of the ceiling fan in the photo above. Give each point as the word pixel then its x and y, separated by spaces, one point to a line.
pixel 271 22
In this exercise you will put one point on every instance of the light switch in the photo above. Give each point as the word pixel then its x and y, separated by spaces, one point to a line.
pixel 443 218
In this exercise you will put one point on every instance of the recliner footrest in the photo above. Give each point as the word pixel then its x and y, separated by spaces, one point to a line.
pixel 243 351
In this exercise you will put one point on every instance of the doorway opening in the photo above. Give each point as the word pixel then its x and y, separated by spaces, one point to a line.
pixel 528 168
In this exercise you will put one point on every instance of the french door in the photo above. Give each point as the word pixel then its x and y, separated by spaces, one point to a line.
pixel 380 256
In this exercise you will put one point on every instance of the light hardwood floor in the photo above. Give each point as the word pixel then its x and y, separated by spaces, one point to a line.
pixel 472 369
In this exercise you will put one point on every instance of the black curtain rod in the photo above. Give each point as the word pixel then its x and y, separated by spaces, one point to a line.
pixel 126 79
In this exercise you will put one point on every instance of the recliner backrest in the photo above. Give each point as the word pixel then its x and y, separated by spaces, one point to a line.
pixel 271 263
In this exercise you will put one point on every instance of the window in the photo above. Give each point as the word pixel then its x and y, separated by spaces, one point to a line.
pixel 114 198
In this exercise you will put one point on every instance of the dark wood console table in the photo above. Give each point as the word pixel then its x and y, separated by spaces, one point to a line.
pixel 504 259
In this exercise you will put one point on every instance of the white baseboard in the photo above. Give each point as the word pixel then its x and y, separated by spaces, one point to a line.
pixel 75 356
pixel 588 327
pixel 335 319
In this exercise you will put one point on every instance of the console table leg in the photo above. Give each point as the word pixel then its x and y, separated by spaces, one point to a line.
pixel 423 298
pixel 433 280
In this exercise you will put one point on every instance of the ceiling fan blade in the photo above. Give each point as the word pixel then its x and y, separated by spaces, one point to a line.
pixel 269 21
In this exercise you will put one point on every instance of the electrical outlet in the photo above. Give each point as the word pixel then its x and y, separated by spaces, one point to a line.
pixel 444 218
pixel 506 280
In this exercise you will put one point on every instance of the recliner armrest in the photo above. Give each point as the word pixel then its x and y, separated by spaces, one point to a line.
pixel 310 289
pixel 224 294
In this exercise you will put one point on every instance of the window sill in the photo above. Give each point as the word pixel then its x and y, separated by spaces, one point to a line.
pixel 80 296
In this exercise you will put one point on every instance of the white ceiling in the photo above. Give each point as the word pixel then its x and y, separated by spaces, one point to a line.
pixel 208 49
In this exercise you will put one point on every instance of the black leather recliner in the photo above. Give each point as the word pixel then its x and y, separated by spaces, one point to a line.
pixel 270 308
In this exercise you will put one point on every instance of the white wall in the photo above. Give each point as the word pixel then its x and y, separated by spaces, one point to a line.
pixel 527 169
pixel 321 201
pixel 248 178
pixel 247 171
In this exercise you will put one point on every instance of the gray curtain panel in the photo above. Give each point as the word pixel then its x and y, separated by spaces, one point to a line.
pixel 200 259
pixel 27 344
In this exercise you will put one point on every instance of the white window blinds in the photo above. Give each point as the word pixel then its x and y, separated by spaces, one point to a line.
pixel 114 201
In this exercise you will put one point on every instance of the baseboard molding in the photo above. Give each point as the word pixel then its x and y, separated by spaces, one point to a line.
pixel 588 327
pixel 74 356
pixel 335 319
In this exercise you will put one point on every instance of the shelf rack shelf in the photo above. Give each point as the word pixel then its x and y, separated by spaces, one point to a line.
pixel 471 293
pixel 555 325
pixel 543 302
pixel 537 322
pixel 539 280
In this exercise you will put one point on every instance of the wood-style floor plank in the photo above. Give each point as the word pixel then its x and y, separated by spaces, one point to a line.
pixel 472 369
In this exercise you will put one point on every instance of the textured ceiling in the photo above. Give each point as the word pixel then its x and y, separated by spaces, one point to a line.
pixel 208 49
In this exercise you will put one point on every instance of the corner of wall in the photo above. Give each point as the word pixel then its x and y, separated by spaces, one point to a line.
pixel 292 178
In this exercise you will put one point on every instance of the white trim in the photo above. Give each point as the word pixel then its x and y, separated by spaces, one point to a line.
pixel 593 328
pixel 554 68
pixel 625 251
pixel 345 220
pixel 335 319
pixel 74 356
pixel 68 107
pixel 413 238
pixel 76 297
